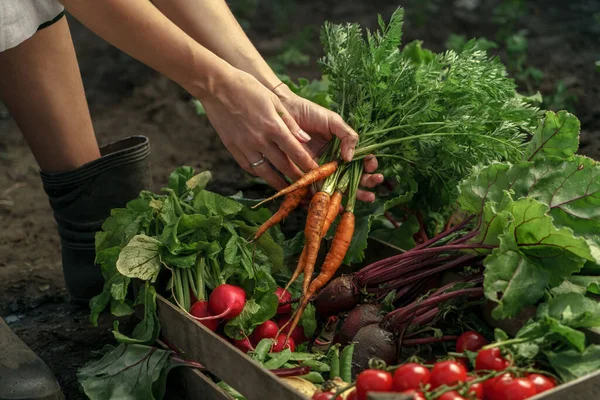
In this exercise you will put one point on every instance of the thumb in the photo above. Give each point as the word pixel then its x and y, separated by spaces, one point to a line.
pixel 348 137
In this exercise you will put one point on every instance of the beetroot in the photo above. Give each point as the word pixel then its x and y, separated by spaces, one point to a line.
pixel 200 309
pixel 227 301
pixel 373 341
pixel 363 315
pixel 284 296
pixel 338 296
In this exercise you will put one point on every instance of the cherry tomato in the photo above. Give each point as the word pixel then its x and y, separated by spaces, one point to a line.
pixel 541 382
pixel 415 394
pixel 489 386
pixel 491 359
pixel 323 396
pixel 447 373
pixel 373 380
pixel 514 389
pixel 410 376
pixel 452 395
pixel 279 345
pixel 476 388
pixel 471 341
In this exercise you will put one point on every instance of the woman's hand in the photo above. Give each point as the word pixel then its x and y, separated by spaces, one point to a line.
pixel 251 122
pixel 322 125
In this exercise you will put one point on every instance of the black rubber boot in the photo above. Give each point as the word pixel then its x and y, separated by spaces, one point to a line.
pixel 23 375
pixel 82 200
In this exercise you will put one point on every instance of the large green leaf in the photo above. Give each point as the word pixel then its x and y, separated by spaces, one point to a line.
pixel 127 372
pixel 533 255
pixel 571 364
pixel 209 203
pixel 557 135
pixel 140 258
pixel 179 178
pixel 148 329
pixel 572 309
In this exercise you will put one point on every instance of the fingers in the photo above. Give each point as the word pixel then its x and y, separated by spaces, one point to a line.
pixel 371 180
pixel 370 164
pixel 347 136
pixel 265 171
pixel 365 196
pixel 288 143
pixel 281 161
pixel 294 128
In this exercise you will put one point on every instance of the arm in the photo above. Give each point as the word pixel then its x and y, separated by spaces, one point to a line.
pixel 250 119
pixel 211 23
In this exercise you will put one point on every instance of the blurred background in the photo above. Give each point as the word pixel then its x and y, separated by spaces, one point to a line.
pixel 551 47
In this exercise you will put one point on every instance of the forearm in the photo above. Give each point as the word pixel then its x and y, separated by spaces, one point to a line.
pixel 211 23
pixel 142 31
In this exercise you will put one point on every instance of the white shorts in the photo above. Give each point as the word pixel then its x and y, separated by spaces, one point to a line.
pixel 21 19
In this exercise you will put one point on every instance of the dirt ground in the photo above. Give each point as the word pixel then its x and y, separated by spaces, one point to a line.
pixel 126 98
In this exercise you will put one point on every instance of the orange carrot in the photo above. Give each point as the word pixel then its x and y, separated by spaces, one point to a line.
pixel 299 269
pixel 310 177
pixel 333 261
pixel 317 211
pixel 332 211
pixel 289 204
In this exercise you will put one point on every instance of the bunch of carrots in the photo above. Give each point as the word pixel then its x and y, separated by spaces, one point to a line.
pixel 324 209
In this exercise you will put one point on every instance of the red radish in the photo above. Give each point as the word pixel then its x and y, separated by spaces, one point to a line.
pixel 298 333
pixel 227 301
pixel 200 310
pixel 284 296
pixel 279 345
pixel 243 344
pixel 266 330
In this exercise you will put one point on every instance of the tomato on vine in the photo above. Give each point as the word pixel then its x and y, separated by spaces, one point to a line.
pixel 410 376
pixel 447 373
pixel 491 359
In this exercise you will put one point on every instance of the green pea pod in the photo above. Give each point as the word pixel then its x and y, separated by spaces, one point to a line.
pixel 334 364
pixel 313 376
pixel 304 356
pixel 346 363
pixel 262 349
pixel 278 359
pixel 315 365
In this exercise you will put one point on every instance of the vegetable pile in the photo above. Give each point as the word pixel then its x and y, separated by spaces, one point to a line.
pixel 492 292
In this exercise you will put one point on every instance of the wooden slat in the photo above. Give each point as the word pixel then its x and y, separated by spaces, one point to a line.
pixel 219 357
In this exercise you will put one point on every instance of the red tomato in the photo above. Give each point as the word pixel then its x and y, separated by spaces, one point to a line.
pixel 278 346
pixel 514 389
pixel 471 341
pixel 541 382
pixel 452 395
pixel 447 373
pixel 476 388
pixel 491 359
pixel 410 376
pixel 415 395
pixel 323 396
pixel 489 386
pixel 373 380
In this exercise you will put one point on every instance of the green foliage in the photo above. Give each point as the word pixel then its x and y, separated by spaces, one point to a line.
pixel 201 238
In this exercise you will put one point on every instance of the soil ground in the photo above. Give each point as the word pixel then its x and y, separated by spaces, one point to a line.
pixel 126 98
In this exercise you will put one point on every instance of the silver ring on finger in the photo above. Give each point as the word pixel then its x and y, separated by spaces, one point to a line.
pixel 259 162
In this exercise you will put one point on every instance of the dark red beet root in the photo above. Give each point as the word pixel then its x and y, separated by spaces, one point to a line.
pixel 363 315
pixel 373 341
pixel 338 296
